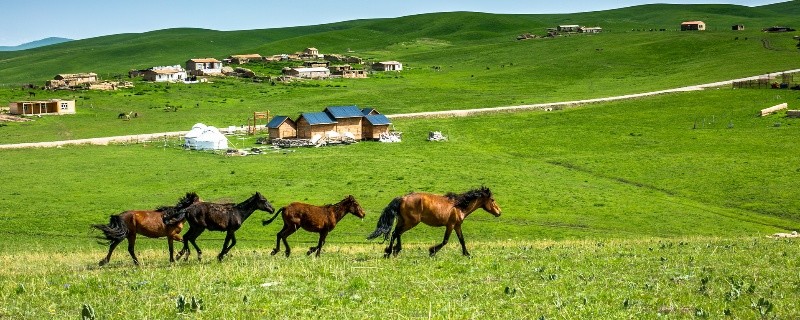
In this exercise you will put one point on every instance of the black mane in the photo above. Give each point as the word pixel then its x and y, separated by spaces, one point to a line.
pixel 463 200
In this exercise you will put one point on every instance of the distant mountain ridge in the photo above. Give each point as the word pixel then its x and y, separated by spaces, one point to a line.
pixel 35 44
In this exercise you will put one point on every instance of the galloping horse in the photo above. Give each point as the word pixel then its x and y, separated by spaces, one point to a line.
pixel 434 210
pixel 226 217
pixel 313 218
pixel 147 223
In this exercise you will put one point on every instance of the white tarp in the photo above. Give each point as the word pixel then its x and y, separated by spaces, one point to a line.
pixel 203 137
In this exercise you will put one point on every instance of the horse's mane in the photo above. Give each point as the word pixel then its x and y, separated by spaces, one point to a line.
pixel 168 212
pixel 463 200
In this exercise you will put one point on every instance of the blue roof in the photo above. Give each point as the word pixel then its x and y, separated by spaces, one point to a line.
pixel 276 121
pixel 378 119
pixel 315 118
pixel 367 111
pixel 344 112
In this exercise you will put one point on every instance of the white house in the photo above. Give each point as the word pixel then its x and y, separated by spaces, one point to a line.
pixel 387 66
pixel 204 66
pixel 164 74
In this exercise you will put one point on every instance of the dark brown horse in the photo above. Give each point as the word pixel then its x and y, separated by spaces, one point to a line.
pixel 226 217
pixel 435 210
pixel 147 223
pixel 313 218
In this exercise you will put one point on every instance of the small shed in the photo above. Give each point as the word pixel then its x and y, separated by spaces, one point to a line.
pixel 42 107
pixel 591 29
pixel 348 119
pixel 375 125
pixel 281 127
pixel 307 73
pixel 693 26
pixel 245 58
pixel 568 28
pixel 737 27
pixel 314 123
pixel 387 66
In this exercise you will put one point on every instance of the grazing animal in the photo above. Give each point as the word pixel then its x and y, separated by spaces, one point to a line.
pixel 226 217
pixel 434 210
pixel 31 94
pixel 313 218
pixel 147 223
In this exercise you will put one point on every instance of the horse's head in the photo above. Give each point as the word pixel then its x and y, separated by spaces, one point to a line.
pixel 352 206
pixel 488 202
pixel 188 200
pixel 262 203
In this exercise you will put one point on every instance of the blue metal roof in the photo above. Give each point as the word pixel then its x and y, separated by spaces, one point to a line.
pixel 315 118
pixel 344 112
pixel 276 122
pixel 367 111
pixel 378 119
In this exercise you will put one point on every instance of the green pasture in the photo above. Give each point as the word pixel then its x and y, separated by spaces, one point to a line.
pixel 651 206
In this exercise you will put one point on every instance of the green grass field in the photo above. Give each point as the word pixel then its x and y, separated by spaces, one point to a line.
pixel 655 207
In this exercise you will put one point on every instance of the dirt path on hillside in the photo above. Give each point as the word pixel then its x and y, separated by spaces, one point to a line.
pixel 138 138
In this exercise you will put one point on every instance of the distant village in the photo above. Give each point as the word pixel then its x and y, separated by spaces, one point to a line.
pixel 697 25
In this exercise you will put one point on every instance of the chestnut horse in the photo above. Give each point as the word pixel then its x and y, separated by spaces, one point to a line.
pixel 434 210
pixel 226 217
pixel 147 223
pixel 313 218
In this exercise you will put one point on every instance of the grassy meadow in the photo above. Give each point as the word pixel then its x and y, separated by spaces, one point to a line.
pixel 656 207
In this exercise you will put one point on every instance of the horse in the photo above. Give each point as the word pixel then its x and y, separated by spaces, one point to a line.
pixel 312 218
pixel 448 210
pixel 226 217
pixel 147 223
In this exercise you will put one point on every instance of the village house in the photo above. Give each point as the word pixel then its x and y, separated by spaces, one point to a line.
pixel 737 27
pixel 204 67
pixel 42 107
pixel 693 26
pixel 568 28
pixel 71 80
pixel 347 72
pixel 282 127
pixel 310 124
pixel 165 74
pixel 374 125
pixel 590 30
pixel 316 64
pixel 348 120
pixel 244 58
pixel 369 111
pixel 307 73
pixel 387 66
pixel 311 53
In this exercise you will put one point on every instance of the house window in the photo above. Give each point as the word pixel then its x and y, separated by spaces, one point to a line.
pixel 64 106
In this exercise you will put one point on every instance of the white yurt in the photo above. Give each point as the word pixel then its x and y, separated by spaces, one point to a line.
pixel 203 137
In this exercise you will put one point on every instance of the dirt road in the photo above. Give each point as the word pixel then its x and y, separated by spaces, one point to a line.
pixel 137 138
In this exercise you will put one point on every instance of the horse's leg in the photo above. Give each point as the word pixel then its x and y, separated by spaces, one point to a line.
pixel 318 249
pixel 131 245
pixel 194 244
pixel 111 248
pixel 278 237
pixel 461 240
pixel 436 248
pixel 171 238
pixel 395 236
pixel 225 248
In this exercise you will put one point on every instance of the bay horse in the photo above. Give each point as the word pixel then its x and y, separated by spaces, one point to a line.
pixel 313 218
pixel 147 223
pixel 226 217
pixel 448 211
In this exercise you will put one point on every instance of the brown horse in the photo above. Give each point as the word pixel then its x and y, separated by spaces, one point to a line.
pixel 313 218
pixel 147 223
pixel 434 210
pixel 226 217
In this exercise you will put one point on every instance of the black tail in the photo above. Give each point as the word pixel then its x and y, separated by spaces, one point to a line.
pixel 172 216
pixel 114 231
pixel 386 220
pixel 266 222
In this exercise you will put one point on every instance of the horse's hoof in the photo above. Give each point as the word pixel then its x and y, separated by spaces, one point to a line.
pixel 274 252
pixel 288 253
pixel 103 262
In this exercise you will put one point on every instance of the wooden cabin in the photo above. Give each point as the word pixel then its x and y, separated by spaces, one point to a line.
pixel 281 127
pixel 313 123
pixel 347 118
pixel 374 125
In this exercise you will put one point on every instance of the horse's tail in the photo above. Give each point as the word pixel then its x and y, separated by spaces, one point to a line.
pixel 172 216
pixel 115 230
pixel 266 222
pixel 386 220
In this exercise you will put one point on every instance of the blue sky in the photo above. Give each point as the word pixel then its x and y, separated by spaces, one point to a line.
pixel 29 20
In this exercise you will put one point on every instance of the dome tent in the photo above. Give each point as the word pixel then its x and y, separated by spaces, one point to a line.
pixel 203 137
